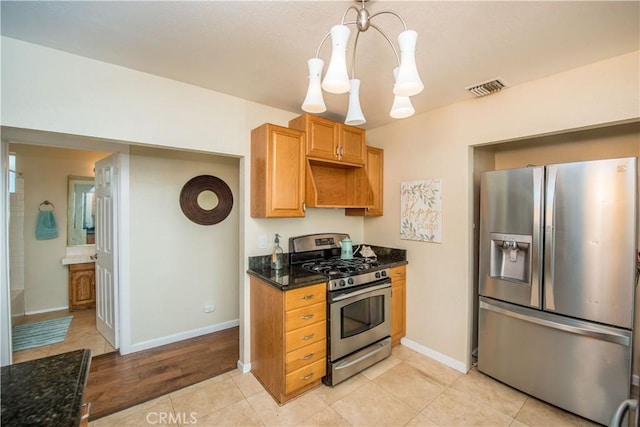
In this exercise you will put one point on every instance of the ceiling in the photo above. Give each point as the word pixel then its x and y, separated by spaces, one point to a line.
pixel 258 50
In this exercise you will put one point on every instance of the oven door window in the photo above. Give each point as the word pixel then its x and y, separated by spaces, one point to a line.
pixel 362 315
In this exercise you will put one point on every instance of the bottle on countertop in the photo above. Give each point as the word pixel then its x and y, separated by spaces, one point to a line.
pixel 276 255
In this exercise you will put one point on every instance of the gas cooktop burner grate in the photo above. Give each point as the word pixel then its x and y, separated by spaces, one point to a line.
pixel 337 266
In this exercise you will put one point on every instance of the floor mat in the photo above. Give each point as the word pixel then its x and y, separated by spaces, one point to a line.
pixel 37 334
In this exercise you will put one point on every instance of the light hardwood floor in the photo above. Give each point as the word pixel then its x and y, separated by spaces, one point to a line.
pixel 407 388
pixel 82 333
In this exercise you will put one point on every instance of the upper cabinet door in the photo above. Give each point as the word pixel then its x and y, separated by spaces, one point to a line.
pixel 331 141
pixel 277 172
pixel 322 136
pixel 352 148
pixel 323 139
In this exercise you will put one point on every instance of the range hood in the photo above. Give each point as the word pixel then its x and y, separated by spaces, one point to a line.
pixel 332 185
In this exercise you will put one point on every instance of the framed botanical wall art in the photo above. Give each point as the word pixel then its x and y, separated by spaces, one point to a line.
pixel 421 210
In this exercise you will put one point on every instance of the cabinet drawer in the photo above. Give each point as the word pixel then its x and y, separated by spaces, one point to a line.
pixel 398 273
pixel 305 316
pixel 304 376
pixel 305 356
pixel 305 336
pixel 307 295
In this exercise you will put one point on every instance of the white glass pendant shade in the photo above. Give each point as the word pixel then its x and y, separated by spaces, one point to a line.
pixel 408 82
pixel 402 107
pixel 314 102
pixel 354 112
pixel 337 79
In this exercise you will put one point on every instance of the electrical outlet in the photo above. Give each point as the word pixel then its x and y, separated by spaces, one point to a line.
pixel 262 241
pixel 209 308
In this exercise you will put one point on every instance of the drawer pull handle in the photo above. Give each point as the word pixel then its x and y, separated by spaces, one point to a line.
pixel 308 337
pixel 308 356
pixel 307 317
pixel 86 409
pixel 306 297
pixel 307 377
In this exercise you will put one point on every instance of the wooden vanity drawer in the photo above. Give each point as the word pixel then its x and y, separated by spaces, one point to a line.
pixel 304 356
pixel 304 336
pixel 308 295
pixel 304 376
pixel 305 316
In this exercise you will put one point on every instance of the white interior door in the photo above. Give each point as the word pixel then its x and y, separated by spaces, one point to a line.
pixel 106 172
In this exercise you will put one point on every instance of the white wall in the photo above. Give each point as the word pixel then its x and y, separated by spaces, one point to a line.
pixel 173 256
pixel 79 96
pixel 439 144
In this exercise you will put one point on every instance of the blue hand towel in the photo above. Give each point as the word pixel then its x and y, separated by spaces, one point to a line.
pixel 46 227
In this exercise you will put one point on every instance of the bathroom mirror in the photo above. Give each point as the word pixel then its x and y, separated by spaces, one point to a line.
pixel 81 211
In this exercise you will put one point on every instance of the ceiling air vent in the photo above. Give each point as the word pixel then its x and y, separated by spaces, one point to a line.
pixel 487 88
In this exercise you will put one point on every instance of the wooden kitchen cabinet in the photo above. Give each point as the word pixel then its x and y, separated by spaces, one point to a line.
pixel 82 286
pixel 398 304
pixel 288 338
pixel 277 172
pixel 375 172
pixel 331 141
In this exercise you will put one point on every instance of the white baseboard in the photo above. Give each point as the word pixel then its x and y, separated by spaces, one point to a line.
pixel 46 310
pixel 460 366
pixel 444 359
pixel 170 339
pixel 244 368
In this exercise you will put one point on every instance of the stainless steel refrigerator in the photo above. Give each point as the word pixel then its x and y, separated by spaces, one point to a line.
pixel 557 277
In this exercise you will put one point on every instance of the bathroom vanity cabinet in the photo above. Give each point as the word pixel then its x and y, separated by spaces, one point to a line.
pixel 82 286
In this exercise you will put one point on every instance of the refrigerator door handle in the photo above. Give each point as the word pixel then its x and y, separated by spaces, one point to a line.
pixel 549 244
pixel 536 246
pixel 609 336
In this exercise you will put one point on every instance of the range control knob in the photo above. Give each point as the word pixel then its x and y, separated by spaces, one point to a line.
pixel 341 283
pixel 377 274
pixel 350 281
pixel 383 273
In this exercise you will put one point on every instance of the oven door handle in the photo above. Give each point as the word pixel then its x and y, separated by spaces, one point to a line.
pixel 348 363
pixel 361 291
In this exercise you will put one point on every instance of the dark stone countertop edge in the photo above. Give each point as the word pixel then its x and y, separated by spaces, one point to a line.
pixel 33 392
pixel 292 277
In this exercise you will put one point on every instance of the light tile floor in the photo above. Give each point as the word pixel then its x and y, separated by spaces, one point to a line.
pixel 82 333
pixel 407 388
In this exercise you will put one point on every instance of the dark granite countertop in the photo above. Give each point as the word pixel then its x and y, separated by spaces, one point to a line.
pixel 45 392
pixel 291 277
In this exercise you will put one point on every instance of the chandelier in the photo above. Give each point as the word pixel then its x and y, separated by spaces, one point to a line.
pixel 336 80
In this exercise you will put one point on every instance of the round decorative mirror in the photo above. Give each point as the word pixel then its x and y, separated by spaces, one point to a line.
pixel 206 200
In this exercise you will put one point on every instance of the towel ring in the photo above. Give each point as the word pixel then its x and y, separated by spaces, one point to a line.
pixel 46 203
pixel 196 213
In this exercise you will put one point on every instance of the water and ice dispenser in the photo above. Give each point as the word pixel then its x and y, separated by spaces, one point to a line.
pixel 510 257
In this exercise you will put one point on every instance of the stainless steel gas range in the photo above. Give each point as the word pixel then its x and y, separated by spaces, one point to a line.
pixel 358 303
